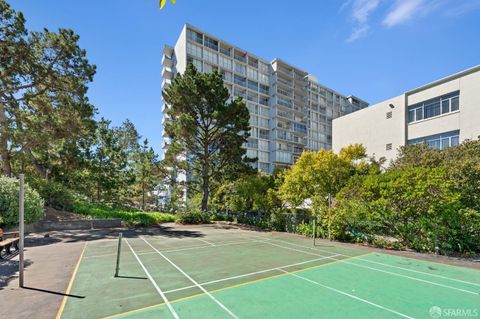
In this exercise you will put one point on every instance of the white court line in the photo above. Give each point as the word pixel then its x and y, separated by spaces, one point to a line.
pixel 347 294
pixel 205 241
pixel 192 280
pixel 160 292
pixel 379 263
pixel 252 273
pixel 210 246
pixel 380 270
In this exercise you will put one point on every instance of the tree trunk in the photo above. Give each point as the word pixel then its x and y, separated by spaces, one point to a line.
pixel 206 185
pixel 38 167
pixel 6 166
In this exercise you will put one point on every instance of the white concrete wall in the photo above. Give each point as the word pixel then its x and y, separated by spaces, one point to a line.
pixel 371 128
pixel 181 51
pixel 470 106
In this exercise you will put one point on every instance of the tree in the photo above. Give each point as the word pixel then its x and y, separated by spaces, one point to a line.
pixel 43 82
pixel 146 170
pixel 205 126
pixel 318 175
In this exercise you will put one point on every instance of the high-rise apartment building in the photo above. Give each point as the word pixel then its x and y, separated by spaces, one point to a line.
pixel 289 110
pixel 440 114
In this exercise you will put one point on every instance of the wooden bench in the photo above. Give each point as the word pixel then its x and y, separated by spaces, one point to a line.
pixel 7 239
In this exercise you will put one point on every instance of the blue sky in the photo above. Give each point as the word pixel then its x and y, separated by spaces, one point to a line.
pixel 374 49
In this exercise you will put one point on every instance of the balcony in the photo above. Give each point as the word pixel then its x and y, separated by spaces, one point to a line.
pixel 167 73
pixel 167 61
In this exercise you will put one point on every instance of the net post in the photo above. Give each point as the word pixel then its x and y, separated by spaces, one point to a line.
pixel 21 230
pixel 117 267
pixel 314 229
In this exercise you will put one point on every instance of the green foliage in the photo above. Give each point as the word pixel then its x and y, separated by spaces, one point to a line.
pixel 419 207
pixel 9 195
pixel 129 217
pixel 193 217
pixel 56 195
pixel 206 126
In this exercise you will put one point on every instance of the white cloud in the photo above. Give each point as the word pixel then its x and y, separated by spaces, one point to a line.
pixel 404 10
pixel 361 11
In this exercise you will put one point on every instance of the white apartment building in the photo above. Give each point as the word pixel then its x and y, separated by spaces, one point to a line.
pixel 289 110
pixel 441 114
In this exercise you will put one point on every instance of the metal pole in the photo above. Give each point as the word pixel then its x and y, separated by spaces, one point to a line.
pixel 329 215
pixel 21 229
pixel 314 230
pixel 117 267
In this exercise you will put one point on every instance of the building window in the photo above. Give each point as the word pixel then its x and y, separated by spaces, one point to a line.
pixel 434 107
pixel 210 56
pixel 240 80
pixel 389 115
pixel 210 43
pixel 439 141
pixel 225 50
pixel 388 147
pixel 224 62
pixel 227 76
pixel 263 89
pixel 196 63
pixel 240 68
pixel 194 36
pixel 194 50
pixel 240 56
pixel 252 85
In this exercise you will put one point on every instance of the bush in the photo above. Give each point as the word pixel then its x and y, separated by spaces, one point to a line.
pixel 9 188
pixel 193 217
pixel 134 218
pixel 55 194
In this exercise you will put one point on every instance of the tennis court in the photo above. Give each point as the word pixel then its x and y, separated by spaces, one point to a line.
pixel 226 272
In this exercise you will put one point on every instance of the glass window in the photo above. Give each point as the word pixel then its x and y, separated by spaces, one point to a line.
pixel 263 89
pixel 196 63
pixel 263 145
pixel 227 76
pixel 445 106
pixel 454 104
pixel 240 68
pixel 263 67
pixel 251 73
pixel 194 50
pixel 210 56
pixel 263 134
pixel 263 100
pixel 263 156
pixel 240 56
pixel 263 78
pixel 225 50
pixel 252 85
pixel 211 43
pixel 440 105
pixel 439 141
pixel 240 80
pixel 225 62
pixel 194 36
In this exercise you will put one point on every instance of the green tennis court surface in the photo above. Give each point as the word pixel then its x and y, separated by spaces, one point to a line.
pixel 225 272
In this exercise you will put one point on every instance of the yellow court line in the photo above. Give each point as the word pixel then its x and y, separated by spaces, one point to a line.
pixel 230 287
pixel 70 284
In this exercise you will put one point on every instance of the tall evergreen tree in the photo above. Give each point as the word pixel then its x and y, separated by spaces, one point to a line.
pixel 206 127
pixel 43 82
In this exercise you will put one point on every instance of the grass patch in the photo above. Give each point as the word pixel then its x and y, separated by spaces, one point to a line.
pixel 129 217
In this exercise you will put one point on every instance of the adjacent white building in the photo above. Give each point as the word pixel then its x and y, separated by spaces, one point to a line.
pixel 289 110
pixel 441 114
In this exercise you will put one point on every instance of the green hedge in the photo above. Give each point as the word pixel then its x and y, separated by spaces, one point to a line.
pixel 9 188
pixel 138 218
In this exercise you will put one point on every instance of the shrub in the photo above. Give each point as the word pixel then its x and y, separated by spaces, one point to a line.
pixel 9 188
pixel 55 194
pixel 193 217
pixel 134 218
